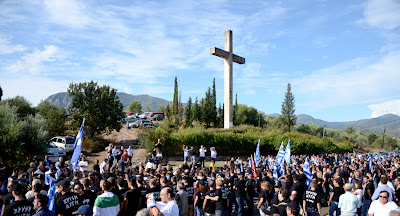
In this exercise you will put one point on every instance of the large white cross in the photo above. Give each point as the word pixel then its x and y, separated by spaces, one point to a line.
pixel 229 57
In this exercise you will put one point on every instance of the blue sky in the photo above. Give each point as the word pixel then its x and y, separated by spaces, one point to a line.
pixel 341 57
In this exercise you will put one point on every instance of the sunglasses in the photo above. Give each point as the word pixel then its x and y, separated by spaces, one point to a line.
pixel 384 197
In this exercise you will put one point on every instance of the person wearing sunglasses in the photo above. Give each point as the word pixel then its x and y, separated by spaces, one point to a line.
pixel 382 206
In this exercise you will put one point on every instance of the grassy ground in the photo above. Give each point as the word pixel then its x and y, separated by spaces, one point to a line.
pixel 207 163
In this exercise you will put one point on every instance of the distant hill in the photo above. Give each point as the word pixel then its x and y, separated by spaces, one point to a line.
pixel 374 124
pixel 63 100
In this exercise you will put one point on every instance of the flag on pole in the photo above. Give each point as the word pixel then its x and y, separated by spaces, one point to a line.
pixel 371 168
pixel 287 153
pixel 281 154
pixel 275 173
pixel 307 171
pixel 253 167
pixel 52 190
pixel 257 157
pixel 77 147
pixel 281 169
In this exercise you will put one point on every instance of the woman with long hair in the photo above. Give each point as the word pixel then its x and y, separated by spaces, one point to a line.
pixel 198 201
pixel 264 195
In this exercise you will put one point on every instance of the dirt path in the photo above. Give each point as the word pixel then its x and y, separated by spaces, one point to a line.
pixel 123 137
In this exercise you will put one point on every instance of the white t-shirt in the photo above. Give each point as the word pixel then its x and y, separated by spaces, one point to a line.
pixel 202 152
pixel 103 167
pixel 168 209
pixel 359 195
pixel 377 209
pixel 129 152
pixel 214 154
pixel 84 163
pixel 186 152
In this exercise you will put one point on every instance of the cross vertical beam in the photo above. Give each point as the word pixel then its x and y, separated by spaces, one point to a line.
pixel 228 84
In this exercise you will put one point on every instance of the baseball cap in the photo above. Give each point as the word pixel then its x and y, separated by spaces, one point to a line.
pixel 84 210
pixel 63 183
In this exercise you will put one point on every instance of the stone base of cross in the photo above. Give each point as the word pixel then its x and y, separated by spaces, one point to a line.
pixel 229 57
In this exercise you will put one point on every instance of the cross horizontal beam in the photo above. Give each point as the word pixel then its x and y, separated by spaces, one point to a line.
pixel 225 54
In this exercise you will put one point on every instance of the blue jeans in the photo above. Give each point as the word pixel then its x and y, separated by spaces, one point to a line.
pixel 199 211
pixel 219 213
pixel 334 207
pixel 365 207
pixel 312 213
pixel 240 202
pixel 193 158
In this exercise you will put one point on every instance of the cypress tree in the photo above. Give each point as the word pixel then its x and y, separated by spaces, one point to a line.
pixel 287 112
pixel 196 111
pixel 175 100
pixel 234 111
pixel 214 113
pixel 189 113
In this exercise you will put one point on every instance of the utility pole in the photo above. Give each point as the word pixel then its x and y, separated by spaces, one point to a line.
pixel 323 132
pixel 383 138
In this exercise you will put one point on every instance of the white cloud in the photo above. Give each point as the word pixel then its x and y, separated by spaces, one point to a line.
pixel 6 47
pixel 33 62
pixel 68 12
pixel 359 81
pixel 390 107
pixel 382 14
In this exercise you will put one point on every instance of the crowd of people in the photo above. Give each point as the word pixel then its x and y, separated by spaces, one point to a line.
pixel 347 184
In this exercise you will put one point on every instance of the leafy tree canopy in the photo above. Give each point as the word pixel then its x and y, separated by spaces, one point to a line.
pixel 135 107
pixel 99 105
pixel 23 106
pixel 55 117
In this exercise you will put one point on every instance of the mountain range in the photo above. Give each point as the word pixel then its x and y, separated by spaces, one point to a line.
pixel 63 100
pixel 374 124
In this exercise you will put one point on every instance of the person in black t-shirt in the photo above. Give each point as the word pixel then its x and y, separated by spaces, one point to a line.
pixel 68 202
pixel 154 189
pixel 250 192
pixel 264 197
pixel 334 199
pixel 299 187
pixel 312 200
pixel 240 193
pixel 9 198
pixel 21 206
pixel 209 200
pixel 369 189
pixel 200 196
pixel 133 200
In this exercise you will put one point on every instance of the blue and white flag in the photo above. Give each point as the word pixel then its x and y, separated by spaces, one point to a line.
pixel 281 169
pixel 241 167
pixel 294 163
pixel 270 164
pixel 58 173
pixel 257 157
pixel 371 168
pixel 340 164
pixel 281 154
pixel 275 174
pixel 379 162
pixel 287 153
pixel 52 190
pixel 307 171
pixel 77 147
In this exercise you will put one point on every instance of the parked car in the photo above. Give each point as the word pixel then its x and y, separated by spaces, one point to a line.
pixel 149 125
pixel 157 117
pixel 143 115
pixel 138 123
pixel 54 152
pixel 64 142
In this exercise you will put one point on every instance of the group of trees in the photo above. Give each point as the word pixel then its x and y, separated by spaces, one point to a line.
pixel 25 130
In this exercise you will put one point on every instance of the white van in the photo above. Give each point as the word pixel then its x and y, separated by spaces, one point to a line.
pixel 64 142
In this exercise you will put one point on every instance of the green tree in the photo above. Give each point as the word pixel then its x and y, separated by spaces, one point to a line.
pixel 23 106
pixel 135 107
pixel 148 109
pixel 197 111
pixel 371 137
pixel 247 115
pixel 189 113
pixel 234 111
pixel 287 112
pixel 175 103
pixel 168 112
pixel 21 139
pixel 207 107
pixel 160 108
pixel 99 105
pixel 220 121
pixel 55 117
pixel 213 110
pixel 350 130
